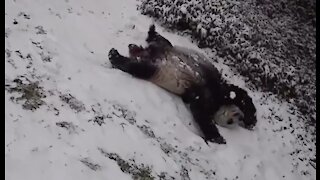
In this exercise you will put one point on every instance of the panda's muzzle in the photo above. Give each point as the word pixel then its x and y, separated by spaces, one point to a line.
pixel 228 115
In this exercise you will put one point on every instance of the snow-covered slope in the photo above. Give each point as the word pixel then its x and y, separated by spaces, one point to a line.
pixel 70 116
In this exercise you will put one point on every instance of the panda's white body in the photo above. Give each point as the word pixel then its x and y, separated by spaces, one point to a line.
pixel 177 69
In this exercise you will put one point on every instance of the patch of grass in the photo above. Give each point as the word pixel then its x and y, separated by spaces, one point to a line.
pixel 31 93
pixel 167 148
pixel 138 172
pixel 147 131
pixel 69 126
pixel 91 165
pixel 72 102
pixel 122 112
pixel 165 176
pixel 184 173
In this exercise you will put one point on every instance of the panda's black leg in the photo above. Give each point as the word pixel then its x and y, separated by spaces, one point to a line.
pixel 189 95
pixel 209 129
pixel 155 37
pixel 143 70
pixel 202 107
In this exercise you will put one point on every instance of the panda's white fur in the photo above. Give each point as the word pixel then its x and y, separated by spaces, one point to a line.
pixel 176 71
pixel 228 116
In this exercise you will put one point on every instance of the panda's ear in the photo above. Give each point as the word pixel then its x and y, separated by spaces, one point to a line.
pixel 152 28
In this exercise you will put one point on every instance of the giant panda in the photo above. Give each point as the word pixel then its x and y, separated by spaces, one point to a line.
pixel 191 76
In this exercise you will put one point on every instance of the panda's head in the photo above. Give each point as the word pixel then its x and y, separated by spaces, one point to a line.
pixel 140 53
pixel 228 116
pixel 237 108
pixel 135 51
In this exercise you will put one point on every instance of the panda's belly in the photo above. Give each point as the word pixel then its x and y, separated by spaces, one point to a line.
pixel 173 78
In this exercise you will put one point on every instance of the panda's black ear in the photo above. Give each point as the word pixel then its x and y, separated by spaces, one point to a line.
pixel 152 28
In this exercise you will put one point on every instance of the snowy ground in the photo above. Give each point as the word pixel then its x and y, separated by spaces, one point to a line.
pixel 70 116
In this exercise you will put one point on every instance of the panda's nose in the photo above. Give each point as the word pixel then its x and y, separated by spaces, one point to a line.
pixel 131 46
pixel 230 121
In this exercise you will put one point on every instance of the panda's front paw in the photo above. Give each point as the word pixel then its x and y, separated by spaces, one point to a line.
pixel 249 127
pixel 114 57
pixel 218 140
pixel 113 54
pixel 248 124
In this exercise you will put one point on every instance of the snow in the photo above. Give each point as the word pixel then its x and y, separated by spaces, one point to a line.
pixel 91 109
pixel 183 9
pixel 232 94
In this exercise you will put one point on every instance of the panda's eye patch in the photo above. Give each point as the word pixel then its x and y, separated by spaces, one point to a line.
pixel 230 121
pixel 236 114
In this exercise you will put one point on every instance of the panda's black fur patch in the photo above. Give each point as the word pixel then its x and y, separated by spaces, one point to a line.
pixel 198 83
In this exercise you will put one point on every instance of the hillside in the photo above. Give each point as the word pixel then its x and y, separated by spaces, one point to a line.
pixel 69 115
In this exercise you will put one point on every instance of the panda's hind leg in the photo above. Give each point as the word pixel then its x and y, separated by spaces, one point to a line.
pixel 155 38
pixel 143 69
